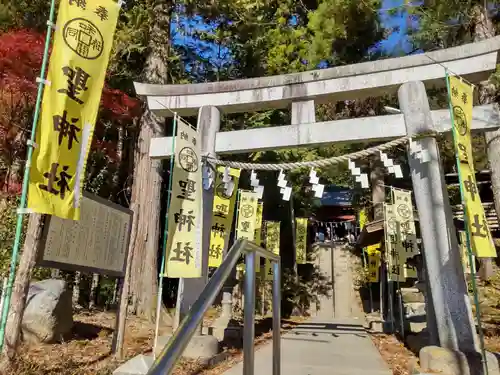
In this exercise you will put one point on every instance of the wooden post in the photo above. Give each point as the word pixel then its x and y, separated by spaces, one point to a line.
pixel 124 288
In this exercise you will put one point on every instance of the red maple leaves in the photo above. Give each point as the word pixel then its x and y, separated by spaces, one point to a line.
pixel 21 54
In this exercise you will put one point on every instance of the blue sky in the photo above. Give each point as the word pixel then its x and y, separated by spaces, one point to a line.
pixel 396 44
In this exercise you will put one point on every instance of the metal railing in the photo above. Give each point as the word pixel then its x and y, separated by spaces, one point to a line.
pixel 165 362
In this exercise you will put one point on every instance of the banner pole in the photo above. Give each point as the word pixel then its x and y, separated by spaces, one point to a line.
pixel 467 232
pixel 164 245
pixel 398 289
pixel 24 191
pixel 367 267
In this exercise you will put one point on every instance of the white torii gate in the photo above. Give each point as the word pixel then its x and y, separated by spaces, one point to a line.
pixel 301 91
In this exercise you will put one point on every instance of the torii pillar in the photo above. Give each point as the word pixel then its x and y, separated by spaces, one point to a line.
pixel 448 298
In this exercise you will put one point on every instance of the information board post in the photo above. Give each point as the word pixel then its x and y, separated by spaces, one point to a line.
pixel 104 232
pixel 121 313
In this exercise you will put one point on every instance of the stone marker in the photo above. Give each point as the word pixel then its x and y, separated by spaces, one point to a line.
pixel 139 365
pixel 201 348
pixel 449 362
pixel 48 316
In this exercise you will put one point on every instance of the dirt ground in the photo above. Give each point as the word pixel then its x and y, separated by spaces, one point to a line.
pixel 88 351
pixel 402 361
pixel 399 359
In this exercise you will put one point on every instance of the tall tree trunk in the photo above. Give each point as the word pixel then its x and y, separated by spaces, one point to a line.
pixel 93 290
pixel 55 273
pixel 116 288
pixel 148 173
pixel 377 173
pixel 75 298
pixel 484 29
pixel 20 289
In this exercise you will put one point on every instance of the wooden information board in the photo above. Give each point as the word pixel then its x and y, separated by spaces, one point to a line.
pixel 97 243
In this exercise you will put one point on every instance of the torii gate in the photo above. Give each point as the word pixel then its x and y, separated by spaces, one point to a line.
pixel 300 91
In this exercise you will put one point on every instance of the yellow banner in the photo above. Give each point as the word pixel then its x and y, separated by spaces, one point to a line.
pixel 301 240
pixel 461 97
pixel 394 249
pixel 374 249
pixel 272 244
pixel 373 267
pixel 405 222
pixel 222 217
pixel 362 218
pixel 258 232
pixel 183 257
pixel 410 272
pixel 80 54
pixel 258 223
pixel 465 254
pixel 247 214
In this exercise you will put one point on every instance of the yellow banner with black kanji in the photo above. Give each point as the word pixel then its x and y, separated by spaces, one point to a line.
pixel 374 267
pixel 362 219
pixel 461 97
pixel 272 245
pixel 465 254
pixel 374 249
pixel 405 221
pixel 258 232
pixel 183 256
pixel 411 271
pixel 223 212
pixel 395 253
pixel 301 240
pixel 82 43
pixel 247 214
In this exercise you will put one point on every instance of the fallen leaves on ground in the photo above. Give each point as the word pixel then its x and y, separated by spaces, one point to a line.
pixel 399 359
pixel 489 297
pixel 89 349
pixel 88 352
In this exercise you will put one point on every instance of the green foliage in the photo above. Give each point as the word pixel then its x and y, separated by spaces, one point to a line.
pixel 8 206
pixel 343 31
pixel 8 220
pixel 130 46
pixel 28 14
pixel 443 24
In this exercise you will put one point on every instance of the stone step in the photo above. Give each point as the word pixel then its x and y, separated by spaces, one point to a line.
pixel 414 309
pixel 411 295
pixel 416 327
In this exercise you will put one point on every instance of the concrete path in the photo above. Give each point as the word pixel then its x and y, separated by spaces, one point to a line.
pixel 333 341
pixel 339 347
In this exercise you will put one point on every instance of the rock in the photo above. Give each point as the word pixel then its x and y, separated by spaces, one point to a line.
pixel 449 362
pixel 138 365
pixel 48 316
pixel 202 348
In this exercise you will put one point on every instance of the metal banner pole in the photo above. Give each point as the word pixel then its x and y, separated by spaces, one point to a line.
pixel 24 192
pixel 164 245
pixel 249 315
pixel 276 318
